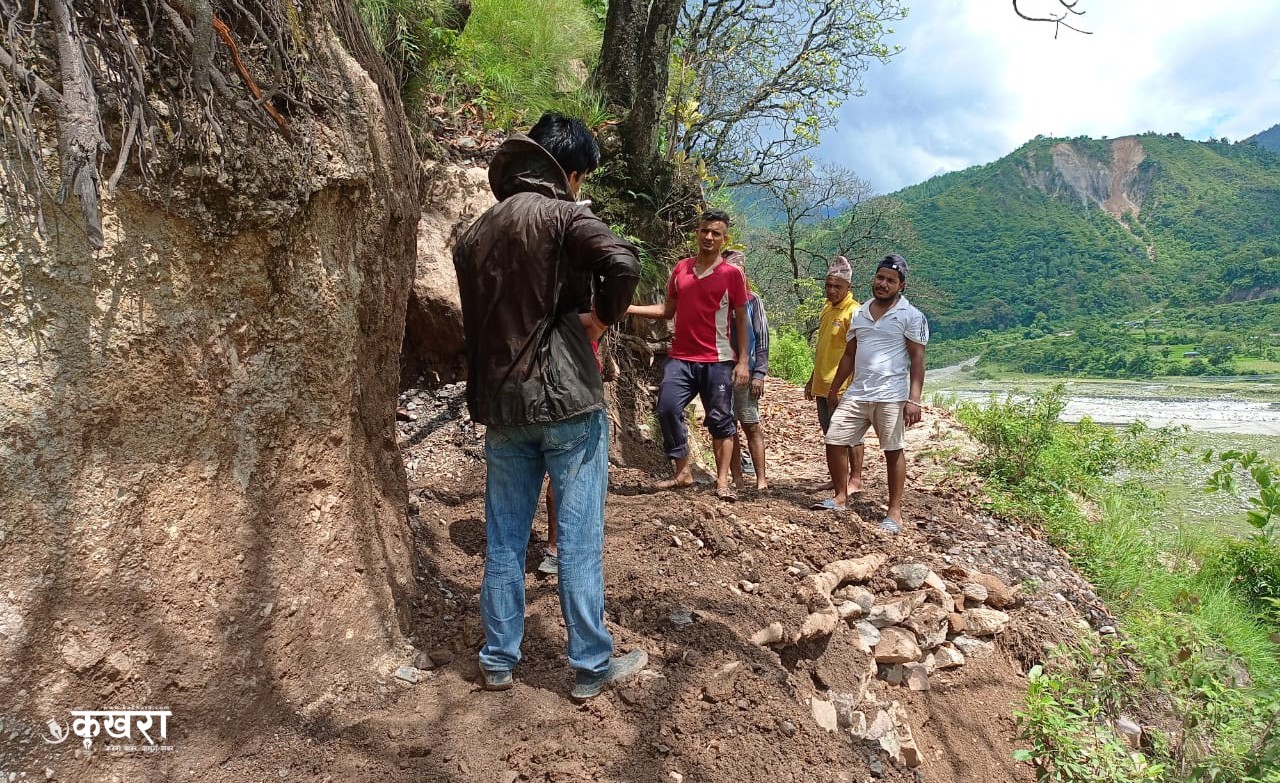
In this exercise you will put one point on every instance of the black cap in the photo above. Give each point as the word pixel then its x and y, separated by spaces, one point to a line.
pixel 895 262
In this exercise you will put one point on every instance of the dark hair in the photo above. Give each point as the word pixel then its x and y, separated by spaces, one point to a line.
pixel 568 141
pixel 713 215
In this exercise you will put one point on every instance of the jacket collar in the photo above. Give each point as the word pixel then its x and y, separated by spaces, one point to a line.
pixel 521 165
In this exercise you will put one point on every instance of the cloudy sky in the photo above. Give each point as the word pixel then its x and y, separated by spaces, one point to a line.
pixel 974 82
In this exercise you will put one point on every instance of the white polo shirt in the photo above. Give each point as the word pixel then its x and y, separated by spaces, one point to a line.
pixel 881 368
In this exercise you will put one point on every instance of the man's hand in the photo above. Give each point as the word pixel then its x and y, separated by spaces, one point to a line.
pixel 911 413
pixel 808 389
pixel 833 399
pixel 757 388
pixel 594 327
pixel 741 374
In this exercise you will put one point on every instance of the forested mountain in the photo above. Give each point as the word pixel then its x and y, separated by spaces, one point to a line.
pixel 1269 138
pixel 1062 230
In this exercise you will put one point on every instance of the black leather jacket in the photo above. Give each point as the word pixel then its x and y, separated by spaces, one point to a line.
pixel 525 269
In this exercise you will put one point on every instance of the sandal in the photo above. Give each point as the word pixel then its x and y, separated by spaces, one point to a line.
pixel 671 484
pixel 726 494
pixel 827 505
pixel 890 525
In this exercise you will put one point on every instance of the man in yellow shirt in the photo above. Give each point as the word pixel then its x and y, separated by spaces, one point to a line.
pixel 833 328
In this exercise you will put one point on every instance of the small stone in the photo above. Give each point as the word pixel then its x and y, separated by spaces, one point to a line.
pixel 681 616
pixel 824 714
pixel 857 725
pixel 1107 630
pixel 930 625
pixel 864 597
pixel 48 773
pixel 676 777
pixel 985 622
pixel 441 657
pixel 423 661
pixel 974 592
pixel 868 635
pixel 947 657
pixel 875 767
pixel 897 645
pixel 881 725
pixel 1131 732
pixel 973 648
pixel 747 586
pixel 850 610
pixel 407 673
pixel 917 676
pixel 891 673
pixel 787 727
pixel 999 595
pixel 909 576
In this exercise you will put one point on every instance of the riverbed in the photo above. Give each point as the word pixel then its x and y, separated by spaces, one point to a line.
pixel 1234 406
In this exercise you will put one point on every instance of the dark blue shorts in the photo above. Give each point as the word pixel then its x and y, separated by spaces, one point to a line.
pixel 681 382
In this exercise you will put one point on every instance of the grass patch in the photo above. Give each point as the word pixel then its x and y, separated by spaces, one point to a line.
pixel 1198 635
pixel 525 58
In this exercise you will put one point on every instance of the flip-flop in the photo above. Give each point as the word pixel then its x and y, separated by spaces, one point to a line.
pixel 890 525
pixel 726 494
pixel 827 505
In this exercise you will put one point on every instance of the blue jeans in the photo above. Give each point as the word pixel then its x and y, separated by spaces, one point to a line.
pixel 575 452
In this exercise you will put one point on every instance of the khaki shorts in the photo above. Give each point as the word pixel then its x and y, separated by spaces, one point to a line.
pixel 851 419
pixel 746 408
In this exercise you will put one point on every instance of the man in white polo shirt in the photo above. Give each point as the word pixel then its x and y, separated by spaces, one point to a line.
pixel 885 354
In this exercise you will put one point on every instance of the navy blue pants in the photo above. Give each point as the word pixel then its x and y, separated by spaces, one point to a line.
pixel 681 382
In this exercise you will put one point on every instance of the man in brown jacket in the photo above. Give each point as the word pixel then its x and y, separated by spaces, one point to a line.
pixel 526 268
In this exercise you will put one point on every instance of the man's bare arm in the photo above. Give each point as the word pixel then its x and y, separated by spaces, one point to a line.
pixel 911 412
pixel 664 310
pixel 844 369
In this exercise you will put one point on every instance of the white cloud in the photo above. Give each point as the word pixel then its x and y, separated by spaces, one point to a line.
pixel 974 82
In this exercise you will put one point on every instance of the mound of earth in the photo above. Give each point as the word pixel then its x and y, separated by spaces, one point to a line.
pixel 724 598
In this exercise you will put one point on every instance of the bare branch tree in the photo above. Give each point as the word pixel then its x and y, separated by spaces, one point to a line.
pixel 1059 19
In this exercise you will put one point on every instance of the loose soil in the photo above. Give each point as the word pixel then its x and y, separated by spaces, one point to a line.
pixel 711 707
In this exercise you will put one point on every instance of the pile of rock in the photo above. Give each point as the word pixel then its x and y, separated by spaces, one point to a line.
pixel 930 623
pixel 936 624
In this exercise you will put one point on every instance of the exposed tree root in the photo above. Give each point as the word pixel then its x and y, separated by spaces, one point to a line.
pixel 816 591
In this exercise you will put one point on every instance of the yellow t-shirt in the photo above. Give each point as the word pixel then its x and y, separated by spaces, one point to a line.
pixel 833 329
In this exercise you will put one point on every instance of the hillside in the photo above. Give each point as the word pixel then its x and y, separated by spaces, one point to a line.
pixel 1268 139
pixel 1062 229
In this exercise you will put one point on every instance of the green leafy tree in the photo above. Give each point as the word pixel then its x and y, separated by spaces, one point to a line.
pixel 755 82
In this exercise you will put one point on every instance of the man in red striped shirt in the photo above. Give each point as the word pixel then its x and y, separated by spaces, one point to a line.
pixel 703 293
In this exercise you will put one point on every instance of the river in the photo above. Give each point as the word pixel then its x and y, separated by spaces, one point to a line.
pixel 1237 405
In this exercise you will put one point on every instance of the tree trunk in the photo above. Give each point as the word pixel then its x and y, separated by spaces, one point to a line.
pixel 203 503
pixel 633 70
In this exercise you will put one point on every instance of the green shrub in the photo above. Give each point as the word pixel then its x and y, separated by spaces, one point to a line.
pixel 1253 567
pixel 413 36
pixel 790 357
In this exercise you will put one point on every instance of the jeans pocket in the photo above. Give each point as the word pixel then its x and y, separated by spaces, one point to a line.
pixel 496 439
pixel 568 435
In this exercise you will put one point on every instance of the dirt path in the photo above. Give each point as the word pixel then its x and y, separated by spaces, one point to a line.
pixel 712 706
